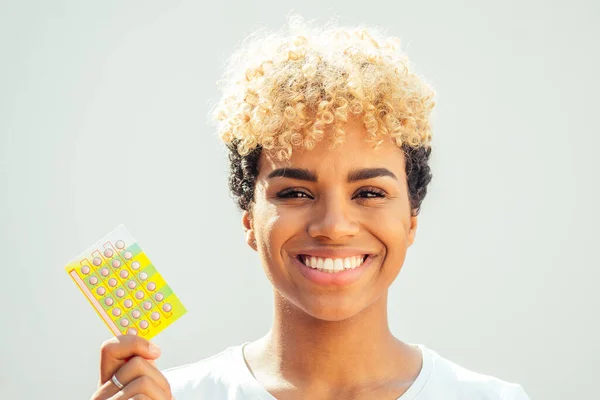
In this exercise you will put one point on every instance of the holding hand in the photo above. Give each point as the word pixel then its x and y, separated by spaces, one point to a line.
pixel 128 371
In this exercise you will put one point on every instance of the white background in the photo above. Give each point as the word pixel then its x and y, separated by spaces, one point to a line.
pixel 103 120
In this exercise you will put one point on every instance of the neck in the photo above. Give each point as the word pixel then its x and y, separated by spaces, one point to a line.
pixel 356 352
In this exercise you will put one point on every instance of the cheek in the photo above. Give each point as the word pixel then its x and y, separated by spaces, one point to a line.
pixel 391 228
pixel 273 228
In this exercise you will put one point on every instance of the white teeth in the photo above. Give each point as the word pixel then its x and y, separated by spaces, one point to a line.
pixel 348 263
pixel 338 264
pixel 319 263
pixel 352 262
pixel 332 265
pixel 328 264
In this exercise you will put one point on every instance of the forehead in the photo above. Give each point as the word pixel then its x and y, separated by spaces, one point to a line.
pixel 355 152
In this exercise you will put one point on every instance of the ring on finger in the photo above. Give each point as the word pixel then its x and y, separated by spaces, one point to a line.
pixel 117 382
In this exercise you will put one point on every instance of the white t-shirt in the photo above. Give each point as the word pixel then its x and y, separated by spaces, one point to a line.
pixel 225 376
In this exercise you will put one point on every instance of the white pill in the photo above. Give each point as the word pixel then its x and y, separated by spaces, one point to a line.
pixel 155 316
pixel 101 291
pixel 108 301
pixel 97 261
pixel 120 244
pixel 85 270
pixel 120 292
pixel 127 255
pixel 136 313
pixel 139 295
pixel 93 280
pixel 147 305
pixel 124 322
pixel 151 286
pixel 128 303
pixel 132 332
pixel 116 263
pixel 143 276
pixel 124 274
pixel 159 296
pixel 135 265
pixel 131 284
pixel 143 324
pixel 166 307
pixel 116 312
pixel 112 282
pixel 104 271
pixel 108 253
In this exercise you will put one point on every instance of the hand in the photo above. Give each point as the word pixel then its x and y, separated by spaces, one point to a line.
pixel 131 359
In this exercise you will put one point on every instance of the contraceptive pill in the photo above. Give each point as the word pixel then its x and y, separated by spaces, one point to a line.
pixel 124 287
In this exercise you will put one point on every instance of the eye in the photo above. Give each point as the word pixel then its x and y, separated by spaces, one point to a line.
pixel 370 193
pixel 293 194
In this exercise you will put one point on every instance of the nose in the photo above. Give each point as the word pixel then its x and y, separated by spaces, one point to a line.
pixel 333 220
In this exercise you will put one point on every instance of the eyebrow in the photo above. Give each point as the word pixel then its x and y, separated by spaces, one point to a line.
pixel 369 173
pixel 303 174
pixel 300 174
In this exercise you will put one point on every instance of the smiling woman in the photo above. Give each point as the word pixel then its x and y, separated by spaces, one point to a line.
pixel 328 206
pixel 329 142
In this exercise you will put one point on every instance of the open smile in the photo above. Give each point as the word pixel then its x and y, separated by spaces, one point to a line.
pixel 333 271
pixel 332 265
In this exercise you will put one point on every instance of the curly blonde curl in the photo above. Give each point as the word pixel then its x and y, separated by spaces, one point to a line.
pixel 287 90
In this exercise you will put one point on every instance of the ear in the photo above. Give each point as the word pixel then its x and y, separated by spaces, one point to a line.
pixel 249 229
pixel 412 230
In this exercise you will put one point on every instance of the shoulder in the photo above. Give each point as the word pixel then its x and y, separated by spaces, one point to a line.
pixel 211 377
pixel 450 377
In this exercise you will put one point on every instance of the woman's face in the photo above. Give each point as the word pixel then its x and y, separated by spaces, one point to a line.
pixel 343 208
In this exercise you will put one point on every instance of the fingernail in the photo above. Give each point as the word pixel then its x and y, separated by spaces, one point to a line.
pixel 154 349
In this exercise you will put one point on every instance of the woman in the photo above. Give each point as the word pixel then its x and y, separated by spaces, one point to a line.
pixel 329 139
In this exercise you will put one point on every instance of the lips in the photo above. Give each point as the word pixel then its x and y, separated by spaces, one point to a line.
pixel 335 277
pixel 332 264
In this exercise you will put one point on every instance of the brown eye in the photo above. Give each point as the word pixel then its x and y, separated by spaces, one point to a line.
pixel 293 194
pixel 370 194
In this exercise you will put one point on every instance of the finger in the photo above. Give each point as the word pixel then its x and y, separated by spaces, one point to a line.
pixel 136 397
pixel 135 368
pixel 142 385
pixel 138 367
pixel 105 391
pixel 116 351
pixel 140 397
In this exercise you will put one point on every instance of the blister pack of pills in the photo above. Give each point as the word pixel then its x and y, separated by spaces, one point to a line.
pixel 124 287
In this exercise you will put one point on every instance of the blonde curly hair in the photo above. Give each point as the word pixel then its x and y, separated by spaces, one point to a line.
pixel 286 90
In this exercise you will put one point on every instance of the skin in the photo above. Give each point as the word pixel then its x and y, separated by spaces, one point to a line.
pixel 325 342
pixel 132 360
pixel 332 342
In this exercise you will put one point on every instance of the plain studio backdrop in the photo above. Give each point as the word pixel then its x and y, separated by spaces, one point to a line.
pixel 103 120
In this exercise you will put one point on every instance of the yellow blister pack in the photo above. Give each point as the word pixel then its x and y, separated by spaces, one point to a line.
pixel 124 287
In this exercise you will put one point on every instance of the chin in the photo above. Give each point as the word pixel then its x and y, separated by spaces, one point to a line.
pixel 331 308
